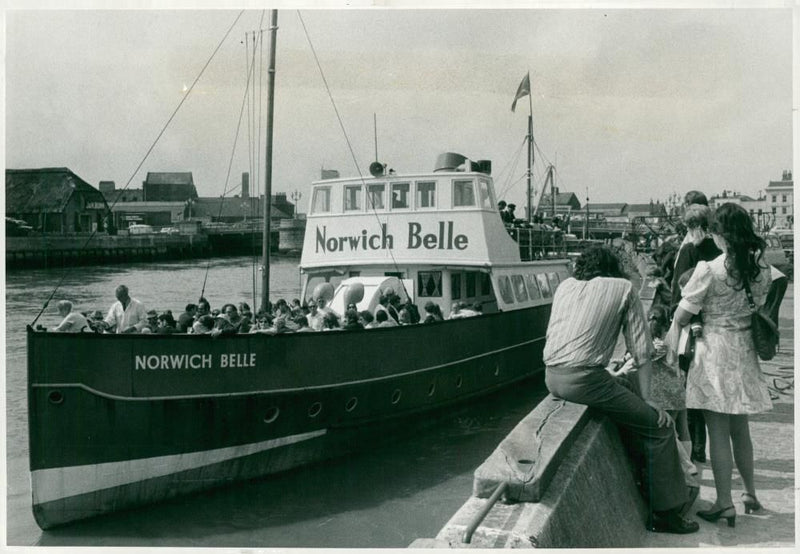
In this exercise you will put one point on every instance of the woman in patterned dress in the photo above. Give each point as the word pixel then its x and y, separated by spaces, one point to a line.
pixel 725 378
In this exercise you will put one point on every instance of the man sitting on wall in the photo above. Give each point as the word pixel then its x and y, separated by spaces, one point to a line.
pixel 588 313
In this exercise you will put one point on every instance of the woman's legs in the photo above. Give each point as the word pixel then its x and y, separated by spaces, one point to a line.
pixel 719 435
pixel 743 451
pixel 682 426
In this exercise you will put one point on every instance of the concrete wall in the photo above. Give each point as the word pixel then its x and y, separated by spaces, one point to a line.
pixel 578 492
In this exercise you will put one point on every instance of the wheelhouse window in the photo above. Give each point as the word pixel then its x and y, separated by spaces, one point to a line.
pixel 469 284
pixel 544 286
pixel 533 287
pixel 553 280
pixel 455 285
pixel 519 288
pixel 429 284
pixel 352 198
pixel 486 198
pixel 400 195
pixel 426 194
pixel 322 200
pixel 463 193
pixel 375 197
pixel 505 289
pixel 486 284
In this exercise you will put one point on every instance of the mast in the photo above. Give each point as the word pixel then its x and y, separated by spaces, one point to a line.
pixel 265 248
pixel 530 155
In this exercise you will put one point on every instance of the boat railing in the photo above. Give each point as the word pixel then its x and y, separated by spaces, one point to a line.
pixel 538 242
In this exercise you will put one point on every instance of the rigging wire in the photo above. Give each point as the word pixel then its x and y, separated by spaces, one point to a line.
pixel 347 139
pixel 228 173
pixel 141 163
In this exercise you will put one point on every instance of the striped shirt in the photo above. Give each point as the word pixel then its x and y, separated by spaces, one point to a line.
pixel 586 320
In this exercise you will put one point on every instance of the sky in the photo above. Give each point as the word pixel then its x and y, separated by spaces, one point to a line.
pixel 628 104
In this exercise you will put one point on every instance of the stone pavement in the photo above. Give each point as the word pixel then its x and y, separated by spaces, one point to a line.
pixel 773 449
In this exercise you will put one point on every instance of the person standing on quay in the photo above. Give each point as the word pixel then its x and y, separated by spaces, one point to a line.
pixel 725 378
pixel 126 315
pixel 697 245
pixel 587 315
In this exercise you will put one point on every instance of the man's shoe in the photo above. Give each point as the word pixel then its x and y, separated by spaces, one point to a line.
pixel 670 521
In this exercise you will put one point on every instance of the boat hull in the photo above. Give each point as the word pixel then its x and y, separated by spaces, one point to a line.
pixel 120 421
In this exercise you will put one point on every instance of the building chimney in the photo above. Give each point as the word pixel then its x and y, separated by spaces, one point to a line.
pixel 107 187
pixel 245 185
pixel 787 175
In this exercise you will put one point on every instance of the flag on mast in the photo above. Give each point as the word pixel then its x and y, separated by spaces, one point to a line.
pixel 523 90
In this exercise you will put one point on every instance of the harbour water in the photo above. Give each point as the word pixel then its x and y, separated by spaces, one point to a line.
pixel 385 496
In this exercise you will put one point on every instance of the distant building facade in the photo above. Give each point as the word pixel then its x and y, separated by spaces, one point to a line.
pixel 780 201
pixel 566 203
pixel 54 200
pixel 169 186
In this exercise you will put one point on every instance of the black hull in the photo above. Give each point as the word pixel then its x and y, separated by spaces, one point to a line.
pixel 106 433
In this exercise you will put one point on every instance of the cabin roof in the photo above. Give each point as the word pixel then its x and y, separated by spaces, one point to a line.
pixel 45 190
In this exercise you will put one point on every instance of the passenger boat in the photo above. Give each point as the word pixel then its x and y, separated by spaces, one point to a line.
pixel 121 420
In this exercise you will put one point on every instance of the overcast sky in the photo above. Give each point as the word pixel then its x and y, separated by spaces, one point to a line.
pixel 631 104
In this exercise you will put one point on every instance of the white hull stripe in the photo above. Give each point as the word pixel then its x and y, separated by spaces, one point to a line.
pixel 63 482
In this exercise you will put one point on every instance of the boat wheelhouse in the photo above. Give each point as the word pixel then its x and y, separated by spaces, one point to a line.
pixel 439 233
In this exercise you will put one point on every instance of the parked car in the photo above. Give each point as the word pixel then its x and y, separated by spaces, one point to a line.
pixel 139 229
pixel 787 241
pixel 17 228
pixel 169 231
pixel 776 256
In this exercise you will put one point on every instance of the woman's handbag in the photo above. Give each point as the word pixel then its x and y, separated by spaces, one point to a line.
pixel 764 330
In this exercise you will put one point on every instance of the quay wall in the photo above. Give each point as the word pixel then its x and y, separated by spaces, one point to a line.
pixel 56 251
pixel 566 479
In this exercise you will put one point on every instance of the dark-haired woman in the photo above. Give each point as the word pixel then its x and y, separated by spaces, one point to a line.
pixel 725 380
pixel 588 313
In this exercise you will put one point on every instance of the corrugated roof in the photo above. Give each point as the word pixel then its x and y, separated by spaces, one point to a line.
pixel 45 190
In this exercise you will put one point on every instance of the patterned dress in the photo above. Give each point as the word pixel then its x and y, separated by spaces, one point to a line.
pixel 725 375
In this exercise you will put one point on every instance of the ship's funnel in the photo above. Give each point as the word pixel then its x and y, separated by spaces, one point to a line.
pixel 449 161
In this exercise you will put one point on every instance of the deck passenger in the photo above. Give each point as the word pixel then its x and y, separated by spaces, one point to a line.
pixel 588 313
pixel 383 319
pixel 302 325
pixel 203 308
pixel 331 322
pixel 127 314
pixel 351 322
pixel 433 313
pixel 166 324
pixel 72 322
pixel 152 322
pixel 367 319
pixel 315 317
pixel 186 319
pixel 203 326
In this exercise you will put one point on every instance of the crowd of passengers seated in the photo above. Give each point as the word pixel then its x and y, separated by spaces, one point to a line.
pixel 280 317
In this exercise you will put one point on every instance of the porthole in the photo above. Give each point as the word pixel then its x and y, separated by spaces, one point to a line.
pixel 351 404
pixel 459 382
pixel 315 409
pixel 396 396
pixel 272 414
pixel 55 397
pixel 431 388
